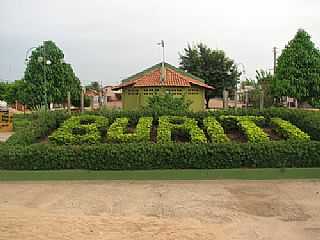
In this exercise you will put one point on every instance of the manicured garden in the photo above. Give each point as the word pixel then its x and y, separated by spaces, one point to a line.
pixel 93 129
pixel 143 140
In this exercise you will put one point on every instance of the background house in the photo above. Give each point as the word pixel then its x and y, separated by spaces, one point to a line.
pixel 112 97
pixel 159 80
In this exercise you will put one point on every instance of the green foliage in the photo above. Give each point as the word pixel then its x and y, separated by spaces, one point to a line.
pixel 20 123
pixel 12 92
pixel 247 126
pixel 75 101
pixel 3 89
pixel 211 65
pixel 168 124
pixel 298 69
pixel 84 129
pixel 287 130
pixel 161 156
pixel 42 123
pixel 21 153
pixel 315 102
pixel 307 121
pixel 94 86
pixel 167 103
pixel 215 130
pixel 54 80
pixel 117 131
pixel 262 85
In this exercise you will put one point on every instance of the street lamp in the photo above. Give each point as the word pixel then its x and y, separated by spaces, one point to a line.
pixel 243 71
pixel 42 59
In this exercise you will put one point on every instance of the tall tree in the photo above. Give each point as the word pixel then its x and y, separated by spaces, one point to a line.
pixel 298 69
pixel 15 91
pixel 94 86
pixel 211 65
pixel 48 78
pixel 261 87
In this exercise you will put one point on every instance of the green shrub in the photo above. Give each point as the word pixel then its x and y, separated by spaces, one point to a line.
pixel 20 123
pixel 117 131
pixel 84 129
pixel 42 123
pixel 215 130
pixel 168 124
pixel 287 130
pixel 247 125
pixel 307 121
pixel 167 103
pixel 146 156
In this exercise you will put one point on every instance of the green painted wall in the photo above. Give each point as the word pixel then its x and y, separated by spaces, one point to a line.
pixel 134 98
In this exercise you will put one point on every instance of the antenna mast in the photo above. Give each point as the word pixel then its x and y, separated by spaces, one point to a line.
pixel 163 70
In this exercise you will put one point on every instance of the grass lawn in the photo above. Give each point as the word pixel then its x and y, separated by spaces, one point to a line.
pixel 245 174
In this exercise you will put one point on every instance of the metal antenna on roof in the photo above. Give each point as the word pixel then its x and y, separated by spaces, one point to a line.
pixel 163 71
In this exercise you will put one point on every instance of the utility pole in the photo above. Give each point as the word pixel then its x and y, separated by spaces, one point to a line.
pixel 44 77
pixel 69 102
pixel 100 95
pixel 274 59
pixel 82 99
pixel 163 73
pixel 261 98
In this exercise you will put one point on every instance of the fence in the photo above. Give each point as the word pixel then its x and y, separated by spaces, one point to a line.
pixel 5 121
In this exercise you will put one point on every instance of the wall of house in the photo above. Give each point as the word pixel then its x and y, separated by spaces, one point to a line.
pixel 134 98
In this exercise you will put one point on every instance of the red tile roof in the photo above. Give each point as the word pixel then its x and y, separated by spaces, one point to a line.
pixel 173 78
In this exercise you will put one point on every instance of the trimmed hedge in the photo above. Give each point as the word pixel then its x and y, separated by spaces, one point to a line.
pixel 116 132
pixel 287 130
pixel 42 123
pixel 246 124
pixel 160 156
pixel 83 129
pixel 20 152
pixel 215 130
pixel 168 124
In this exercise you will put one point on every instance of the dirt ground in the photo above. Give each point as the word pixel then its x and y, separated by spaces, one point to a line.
pixel 247 210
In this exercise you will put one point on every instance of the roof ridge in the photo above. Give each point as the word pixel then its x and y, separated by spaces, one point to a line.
pixel 181 71
pixel 141 74
pixel 158 65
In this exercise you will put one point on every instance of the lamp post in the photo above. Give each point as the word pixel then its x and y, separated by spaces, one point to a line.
pixel 42 59
pixel 237 88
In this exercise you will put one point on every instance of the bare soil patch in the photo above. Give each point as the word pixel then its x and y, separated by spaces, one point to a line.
pixel 247 210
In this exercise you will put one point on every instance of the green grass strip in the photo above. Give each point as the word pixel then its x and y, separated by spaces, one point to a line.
pixel 212 174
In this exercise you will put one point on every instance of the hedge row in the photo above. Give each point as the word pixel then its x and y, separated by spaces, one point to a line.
pixel 215 130
pixel 42 123
pixel 247 125
pixel 307 121
pixel 84 129
pixel 160 156
pixel 287 130
pixel 169 124
pixel 117 131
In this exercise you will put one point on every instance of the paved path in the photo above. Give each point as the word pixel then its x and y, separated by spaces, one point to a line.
pixel 5 135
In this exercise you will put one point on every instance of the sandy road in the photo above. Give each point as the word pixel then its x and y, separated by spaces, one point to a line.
pixel 160 210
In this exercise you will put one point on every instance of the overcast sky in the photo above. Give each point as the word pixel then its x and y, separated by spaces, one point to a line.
pixel 109 40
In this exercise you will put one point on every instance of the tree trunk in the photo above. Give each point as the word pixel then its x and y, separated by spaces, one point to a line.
pixel 207 102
